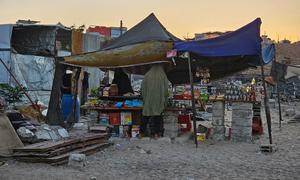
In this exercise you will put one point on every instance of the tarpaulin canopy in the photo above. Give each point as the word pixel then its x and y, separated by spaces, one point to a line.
pixel 268 53
pixel 150 29
pixel 223 55
pixel 244 41
pixel 145 43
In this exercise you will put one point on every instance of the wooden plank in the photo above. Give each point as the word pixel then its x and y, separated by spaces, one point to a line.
pixel 56 159
pixel 59 151
pixel 50 145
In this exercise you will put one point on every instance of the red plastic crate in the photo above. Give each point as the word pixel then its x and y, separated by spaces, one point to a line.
pixel 114 119
pixel 257 127
pixel 185 119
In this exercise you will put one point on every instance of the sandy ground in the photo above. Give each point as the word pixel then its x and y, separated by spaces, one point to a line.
pixel 160 159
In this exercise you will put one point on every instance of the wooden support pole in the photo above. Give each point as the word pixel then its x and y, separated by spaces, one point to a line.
pixel 266 101
pixel 54 115
pixel 193 99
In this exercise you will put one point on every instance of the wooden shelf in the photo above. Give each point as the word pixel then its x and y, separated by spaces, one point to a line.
pixel 119 98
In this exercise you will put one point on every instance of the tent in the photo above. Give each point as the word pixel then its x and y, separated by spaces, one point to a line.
pixel 28 50
pixel 148 42
pixel 145 43
pixel 223 55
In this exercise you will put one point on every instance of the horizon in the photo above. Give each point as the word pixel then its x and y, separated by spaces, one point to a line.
pixel 191 16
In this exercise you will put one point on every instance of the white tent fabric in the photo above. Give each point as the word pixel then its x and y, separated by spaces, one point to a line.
pixel 91 42
pixel 36 73
pixel 4 77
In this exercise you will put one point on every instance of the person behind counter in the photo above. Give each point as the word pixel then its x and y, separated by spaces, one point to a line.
pixel 154 92
pixel 122 81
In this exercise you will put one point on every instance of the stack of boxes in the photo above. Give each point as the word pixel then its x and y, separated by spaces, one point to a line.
pixel 218 112
pixel 122 123
pixel 241 128
pixel 171 126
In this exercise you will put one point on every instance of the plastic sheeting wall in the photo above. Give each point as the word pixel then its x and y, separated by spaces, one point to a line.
pixel 36 73
pixel 91 42
pixel 5 35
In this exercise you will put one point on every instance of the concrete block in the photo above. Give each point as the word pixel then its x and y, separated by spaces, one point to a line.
pixel 242 113
pixel 242 106
pixel 242 122
pixel 241 131
pixel 247 139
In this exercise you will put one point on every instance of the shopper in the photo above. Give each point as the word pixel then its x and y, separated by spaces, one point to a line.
pixel 154 92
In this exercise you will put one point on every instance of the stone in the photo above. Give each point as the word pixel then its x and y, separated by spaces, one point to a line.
pixel 142 151
pixel 77 160
pixel 25 133
pixel 42 135
pixel 63 133
pixel 80 126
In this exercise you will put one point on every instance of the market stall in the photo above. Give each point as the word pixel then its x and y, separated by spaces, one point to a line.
pixel 194 61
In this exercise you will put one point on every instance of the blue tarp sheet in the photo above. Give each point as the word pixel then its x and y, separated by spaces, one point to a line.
pixel 268 53
pixel 244 41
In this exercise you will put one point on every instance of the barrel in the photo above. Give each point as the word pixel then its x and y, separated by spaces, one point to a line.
pixel 66 107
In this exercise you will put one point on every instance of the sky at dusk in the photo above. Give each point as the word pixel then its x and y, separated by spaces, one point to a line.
pixel 281 18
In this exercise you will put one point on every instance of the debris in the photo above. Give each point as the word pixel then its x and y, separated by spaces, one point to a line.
pixel 93 178
pixel 63 133
pixel 57 153
pixel 267 148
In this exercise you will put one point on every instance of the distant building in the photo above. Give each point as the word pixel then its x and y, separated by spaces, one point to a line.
pixel 209 35
pixel 285 41
pixel 267 40
pixel 107 32
pixel 21 21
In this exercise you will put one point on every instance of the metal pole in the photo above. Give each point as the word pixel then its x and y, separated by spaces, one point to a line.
pixel 33 104
pixel 279 105
pixel 266 100
pixel 278 95
pixel 193 99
